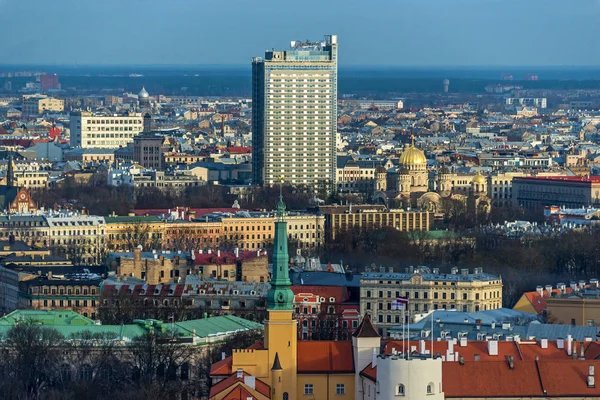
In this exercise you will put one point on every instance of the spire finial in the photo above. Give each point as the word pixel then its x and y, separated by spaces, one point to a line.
pixel 412 138
pixel 280 205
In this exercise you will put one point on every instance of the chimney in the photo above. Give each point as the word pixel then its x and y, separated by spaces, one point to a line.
pixel 562 287
pixel 464 271
pixel 240 373
pixel 250 381
pixel 549 290
pixel 374 360
pixel 593 284
pixel 237 252
pixel 540 290
pixel 569 344
pixel 581 285
pixel 463 341
pixel 492 347
pixel 581 351
pixel 421 347
pixel 223 355
pixel 560 343
pixel 209 251
pixel 573 285
pixel 590 378
pixel 544 343
pixel 257 253
pixel 218 252
pixel 461 360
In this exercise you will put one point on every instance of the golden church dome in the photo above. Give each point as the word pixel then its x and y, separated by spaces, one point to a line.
pixel 412 156
pixel 479 178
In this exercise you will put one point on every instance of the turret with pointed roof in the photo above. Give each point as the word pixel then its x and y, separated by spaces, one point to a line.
pixel 280 296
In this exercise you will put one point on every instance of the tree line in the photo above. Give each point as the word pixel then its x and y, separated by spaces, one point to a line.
pixel 522 263
pixel 39 363
pixel 99 198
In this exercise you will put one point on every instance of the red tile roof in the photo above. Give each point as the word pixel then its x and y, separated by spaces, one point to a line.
pixel 366 328
pixel 237 393
pixel 222 367
pixel 539 302
pixel 340 293
pixel 325 357
pixel 585 179
pixel 370 372
pixel 568 378
pixel 233 380
pixel 491 379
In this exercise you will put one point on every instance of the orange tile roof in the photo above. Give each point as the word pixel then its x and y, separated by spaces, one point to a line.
pixel 370 372
pixel 567 378
pixel 237 393
pixel 325 357
pixel 366 328
pixel 222 367
pixel 491 379
pixel 530 349
pixel 539 302
pixel 233 380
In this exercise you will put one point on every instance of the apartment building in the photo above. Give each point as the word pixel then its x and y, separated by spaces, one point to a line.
pixel 104 131
pixel 31 179
pixel 81 237
pixel 338 220
pixel 148 150
pixel 294 114
pixel 535 193
pixel 255 230
pixel 166 266
pixel 426 289
pixel 37 105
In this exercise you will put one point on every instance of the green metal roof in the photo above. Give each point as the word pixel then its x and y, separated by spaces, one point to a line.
pixel 46 317
pixel 215 326
pixel 73 325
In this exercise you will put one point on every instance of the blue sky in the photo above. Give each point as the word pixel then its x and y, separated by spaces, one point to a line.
pixel 371 32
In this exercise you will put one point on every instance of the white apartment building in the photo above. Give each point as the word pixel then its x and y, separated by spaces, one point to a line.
pixel 80 237
pixel 294 114
pixel 104 131
pixel 537 102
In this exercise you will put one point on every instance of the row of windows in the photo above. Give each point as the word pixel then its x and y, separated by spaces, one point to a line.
pixel 415 295
pixel 309 389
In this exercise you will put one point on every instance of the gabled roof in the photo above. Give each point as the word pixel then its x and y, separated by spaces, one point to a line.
pixel 366 328
pixel 233 381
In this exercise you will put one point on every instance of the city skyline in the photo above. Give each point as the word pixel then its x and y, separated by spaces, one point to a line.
pixel 429 34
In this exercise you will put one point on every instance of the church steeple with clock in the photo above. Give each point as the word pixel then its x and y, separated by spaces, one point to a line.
pixel 280 326
pixel 280 296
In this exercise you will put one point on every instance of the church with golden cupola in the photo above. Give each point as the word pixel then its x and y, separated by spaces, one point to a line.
pixel 417 185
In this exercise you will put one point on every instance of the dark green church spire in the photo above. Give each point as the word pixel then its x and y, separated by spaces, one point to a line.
pixel 280 296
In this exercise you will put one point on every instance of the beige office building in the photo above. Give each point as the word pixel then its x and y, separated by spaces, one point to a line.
pixel 104 131
pixel 39 104
pixel 294 114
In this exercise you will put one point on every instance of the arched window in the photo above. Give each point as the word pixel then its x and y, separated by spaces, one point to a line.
pixel 85 374
pixel 65 373
pixel 430 388
pixel 400 390
pixel 286 396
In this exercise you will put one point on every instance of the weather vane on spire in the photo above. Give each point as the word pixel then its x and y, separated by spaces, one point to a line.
pixel 280 205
